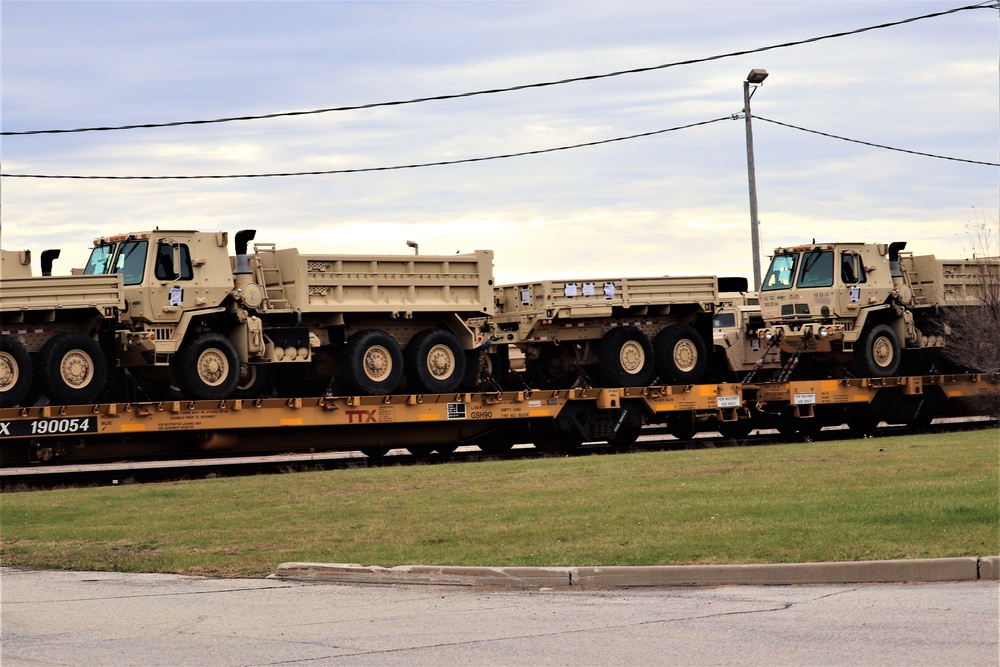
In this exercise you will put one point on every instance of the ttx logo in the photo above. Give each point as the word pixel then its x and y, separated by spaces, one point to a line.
pixel 360 416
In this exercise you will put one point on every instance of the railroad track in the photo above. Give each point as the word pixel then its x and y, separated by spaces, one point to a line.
pixel 654 438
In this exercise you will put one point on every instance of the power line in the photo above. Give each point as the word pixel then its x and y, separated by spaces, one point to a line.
pixel 492 91
pixel 868 143
pixel 391 168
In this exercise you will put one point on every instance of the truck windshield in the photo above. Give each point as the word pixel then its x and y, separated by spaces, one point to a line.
pixel 780 273
pixel 817 269
pixel 100 260
pixel 131 261
pixel 724 321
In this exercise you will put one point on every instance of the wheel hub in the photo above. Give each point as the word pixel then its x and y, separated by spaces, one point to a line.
pixel 685 356
pixel 377 363
pixel 8 372
pixel 76 369
pixel 632 357
pixel 440 362
pixel 213 367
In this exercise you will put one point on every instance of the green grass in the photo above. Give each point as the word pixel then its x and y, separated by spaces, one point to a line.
pixel 905 497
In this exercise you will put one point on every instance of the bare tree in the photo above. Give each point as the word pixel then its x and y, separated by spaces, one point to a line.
pixel 974 338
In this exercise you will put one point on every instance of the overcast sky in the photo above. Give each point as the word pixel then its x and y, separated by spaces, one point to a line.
pixel 674 203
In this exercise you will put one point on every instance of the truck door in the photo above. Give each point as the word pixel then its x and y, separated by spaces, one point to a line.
pixel 855 291
pixel 170 286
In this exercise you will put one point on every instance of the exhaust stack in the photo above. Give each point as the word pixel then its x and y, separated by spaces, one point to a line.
pixel 49 256
pixel 243 239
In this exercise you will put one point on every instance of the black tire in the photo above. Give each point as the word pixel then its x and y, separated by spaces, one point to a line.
pixel 495 367
pixel 625 358
pixel 15 372
pixel 254 381
pixel 207 367
pixel 877 353
pixel 372 364
pixel 681 355
pixel 72 369
pixel 552 368
pixel 435 362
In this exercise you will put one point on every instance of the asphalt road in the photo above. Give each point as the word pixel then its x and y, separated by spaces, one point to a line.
pixel 99 618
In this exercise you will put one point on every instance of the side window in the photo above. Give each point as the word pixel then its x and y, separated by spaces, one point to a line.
pixel 165 269
pixel 852 270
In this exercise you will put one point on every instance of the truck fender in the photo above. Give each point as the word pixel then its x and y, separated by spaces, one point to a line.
pixel 864 316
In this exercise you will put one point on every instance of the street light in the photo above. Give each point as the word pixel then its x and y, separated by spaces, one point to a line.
pixel 756 77
pixel 415 246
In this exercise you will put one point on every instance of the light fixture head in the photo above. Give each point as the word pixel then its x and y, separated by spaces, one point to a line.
pixel 757 76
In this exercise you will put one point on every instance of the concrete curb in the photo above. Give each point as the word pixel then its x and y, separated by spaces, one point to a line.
pixel 887 571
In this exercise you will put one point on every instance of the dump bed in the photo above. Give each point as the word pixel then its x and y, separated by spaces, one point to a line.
pixel 566 299
pixel 461 283
pixel 60 294
pixel 950 282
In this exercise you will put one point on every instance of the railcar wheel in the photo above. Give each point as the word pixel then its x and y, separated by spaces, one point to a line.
pixel 737 430
pixel 435 362
pixel 625 358
pixel 207 367
pixel 628 432
pixel 548 435
pixel 373 363
pixel 861 419
pixel 877 353
pixel 681 425
pixel 375 452
pixel 72 369
pixel 15 372
pixel 681 354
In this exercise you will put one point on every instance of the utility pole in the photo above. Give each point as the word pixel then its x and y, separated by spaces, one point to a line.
pixel 756 76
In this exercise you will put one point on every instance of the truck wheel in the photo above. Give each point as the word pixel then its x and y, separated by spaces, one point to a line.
pixel 207 367
pixel 553 368
pixel 625 358
pixel 373 363
pixel 435 362
pixel 15 372
pixel 72 369
pixel 681 355
pixel 254 381
pixel 877 353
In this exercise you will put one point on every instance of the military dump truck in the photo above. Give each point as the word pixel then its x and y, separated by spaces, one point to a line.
pixel 863 309
pixel 51 331
pixel 215 325
pixel 622 332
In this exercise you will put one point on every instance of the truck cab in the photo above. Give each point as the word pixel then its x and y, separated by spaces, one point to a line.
pixel 165 273
pixel 823 292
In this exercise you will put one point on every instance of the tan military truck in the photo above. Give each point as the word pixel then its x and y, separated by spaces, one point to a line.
pixel 858 308
pixel 740 355
pixel 619 332
pixel 214 325
pixel 51 330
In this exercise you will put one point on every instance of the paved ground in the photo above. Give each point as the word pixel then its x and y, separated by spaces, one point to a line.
pixel 87 618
